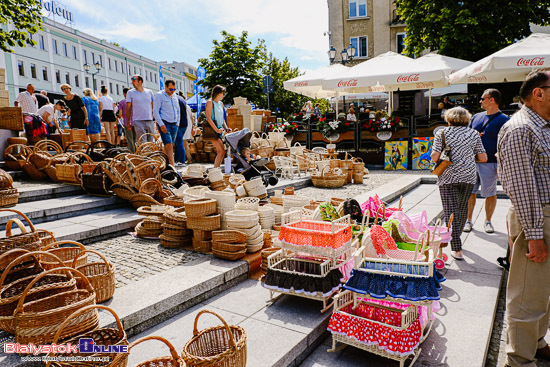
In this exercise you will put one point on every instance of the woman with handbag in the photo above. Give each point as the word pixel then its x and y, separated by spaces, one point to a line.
pixel 214 126
pixel 456 150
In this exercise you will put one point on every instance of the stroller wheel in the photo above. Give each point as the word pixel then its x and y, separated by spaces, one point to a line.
pixel 272 180
pixel 439 264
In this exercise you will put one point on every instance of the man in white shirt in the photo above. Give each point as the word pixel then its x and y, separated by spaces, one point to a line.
pixel 139 107
pixel 27 100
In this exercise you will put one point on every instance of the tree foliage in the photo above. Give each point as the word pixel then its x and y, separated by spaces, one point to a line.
pixel 468 30
pixel 25 17
pixel 236 64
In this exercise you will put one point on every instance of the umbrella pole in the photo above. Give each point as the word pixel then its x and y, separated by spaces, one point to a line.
pixel 430 105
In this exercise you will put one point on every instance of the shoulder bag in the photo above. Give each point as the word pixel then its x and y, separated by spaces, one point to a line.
pixel 208 133
pixel 445 158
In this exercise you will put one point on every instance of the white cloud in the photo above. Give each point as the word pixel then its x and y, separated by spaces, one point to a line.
pixel 125 31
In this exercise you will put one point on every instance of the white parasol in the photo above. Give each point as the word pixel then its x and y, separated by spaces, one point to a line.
pixel 310 84
pixel 510 64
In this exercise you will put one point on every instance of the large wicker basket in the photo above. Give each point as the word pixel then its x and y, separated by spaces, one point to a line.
pixel 68 251
pixel 101 275
pixel 11 118
pixel 220 346
pixel 37 321
pixel 26 240
pixel 104 336
pixel 174 360
pixel 200 207
pixel 8 198
pixel 328 178
pixel 15 156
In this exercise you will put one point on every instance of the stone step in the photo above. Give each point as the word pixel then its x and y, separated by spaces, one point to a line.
pixel 149 302
pixel 56 209
pixel 35 191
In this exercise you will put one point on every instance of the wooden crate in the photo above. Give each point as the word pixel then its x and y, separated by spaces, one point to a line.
pixel 232 111
pixel 235 122
pixel 74 135
pixel 11 118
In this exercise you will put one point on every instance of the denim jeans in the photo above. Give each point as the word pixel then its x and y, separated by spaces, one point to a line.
pixel 180 149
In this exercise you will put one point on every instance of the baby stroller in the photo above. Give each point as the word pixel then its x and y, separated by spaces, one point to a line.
pixel 239 140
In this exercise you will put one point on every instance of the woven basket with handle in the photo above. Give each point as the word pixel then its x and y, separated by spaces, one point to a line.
pixel 68 251
pixel 26 240
pixel 174 360
pixel 101 275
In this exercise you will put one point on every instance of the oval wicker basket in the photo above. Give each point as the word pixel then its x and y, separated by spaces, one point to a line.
pixel 176 217
pixel 174 242
pixel 174 201
pixel 139 200
pixel 245 216
pixel 248 203
pixel 174 360
pixel 8 198
pixel 254 248
pixel 158 210
pixel 207 223
pixel 202 245
pixel 173 230
pixel 202 235
pixel 229 236
pixel 220 346
pixel 153 223
pixel 228 247
pixel 253 184
pixel 215 175
pixel 229 255
pixel 200 208
pixel 328 178
pixel 101 275
pixel 225 199
pixel 67 254
pixel 142 232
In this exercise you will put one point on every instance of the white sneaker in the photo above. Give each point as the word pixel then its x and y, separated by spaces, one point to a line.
pixel 489 227
pixel 468 226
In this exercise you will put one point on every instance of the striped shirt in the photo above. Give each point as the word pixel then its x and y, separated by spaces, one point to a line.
pixel 524 168
pixel 465 144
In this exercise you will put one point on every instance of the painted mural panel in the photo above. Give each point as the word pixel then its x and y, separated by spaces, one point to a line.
pixel 396 155
pixel 421 150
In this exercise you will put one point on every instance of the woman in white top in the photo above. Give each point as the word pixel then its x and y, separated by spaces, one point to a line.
pixel 307 109
pixel 351 115
pixel 48 114
pixel 107 114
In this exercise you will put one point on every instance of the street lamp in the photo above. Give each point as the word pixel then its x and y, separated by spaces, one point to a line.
pixel 347 54
pixel 98 69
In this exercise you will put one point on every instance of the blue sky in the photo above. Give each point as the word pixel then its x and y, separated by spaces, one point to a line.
pixel 183 30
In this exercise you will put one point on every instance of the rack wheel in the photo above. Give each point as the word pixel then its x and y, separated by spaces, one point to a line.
pixel 445 257
pixel 439 264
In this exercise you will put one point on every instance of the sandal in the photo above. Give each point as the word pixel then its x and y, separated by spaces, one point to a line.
pixel 456 256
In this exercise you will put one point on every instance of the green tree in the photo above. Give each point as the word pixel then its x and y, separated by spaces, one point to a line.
pixel 25 17
pixel 236 64
pixel 468 30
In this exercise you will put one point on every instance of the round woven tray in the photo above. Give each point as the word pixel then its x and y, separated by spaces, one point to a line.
pixel 208 223
pixel 200 207
pixel 174 242
pixel 158 211
pixel 175 201
pixel 229 236
pixel 172 230
pixel 229 255
pixel 153 223
pixel 176 217
pixel 228 247
pixel 142 232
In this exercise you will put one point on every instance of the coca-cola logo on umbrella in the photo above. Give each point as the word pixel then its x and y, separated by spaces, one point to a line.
pixel 408 78
pixel 347 83
pixel 534 61
pixel 301 84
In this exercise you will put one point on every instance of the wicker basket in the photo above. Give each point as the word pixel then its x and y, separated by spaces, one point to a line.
pixel 329 179
pixel 358 177
pixel 175 201
pixel 104 336
pixel 202 246
pixel 174 242
pixel 221 346
pixel 215 175
pixel 17 140
pixel 37 321
pixel 150 186
pixel 33 172
pixel 46 237
pixel 228 247
pixel 150 233
pixel 174 360
pixel 229 255
pixel 248 203
pixel 96 182
pixel 202 235
pixel 173 230
pixel 67 254
pixel 265 254
pixel 26 240
pixel 123 191
pixel 8 198
pixel 229 236
pixel 254 248
pixel 253 184
pixel 100 274
pixel 152 223
pixel 11 118
pixel 294 201
pixel 236 180
pixel 141 200
pixel 199 208
pixel 207 223
pixel 176 217
pixel 225 199
pixel 71 171
pixel 15 156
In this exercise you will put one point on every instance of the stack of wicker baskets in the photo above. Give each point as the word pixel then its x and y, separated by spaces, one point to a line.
pixel 151 226
pixel 330 178
pixel 278 211
pixel 256 188
pixel 265 254
pixel 294 201
pixel 358 170
pixel 215 176
pixel 202 218
pixel 225 202
pixel 175 232
pixel 267 217
pixel 247 221
pixel 229 244
pixel 8 194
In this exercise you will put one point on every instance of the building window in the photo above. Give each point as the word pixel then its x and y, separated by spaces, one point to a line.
pixel 85 56
pixel 100 60
pixel 151 75
pixel 21 68
pixel 93 58
pixel 45 73
pixel 116 66
pixel 58 77
pixel 76 81
pixel 87 82
pixel 146 76
pixel 67 78
pixel 33 71
pixel 400 42
pixel 41 42
pixel 54 46
pixel 75 55
pixel 102 82
pixel 135 70
pixel 109 61
pixel 357 8
pixel 117 90
pixel 65 52
pixel 121 67
pixel 361 46
pixel 110 87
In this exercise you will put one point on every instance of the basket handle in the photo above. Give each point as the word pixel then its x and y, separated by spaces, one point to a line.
pixel 231 337
pixel 150 179
pixel 48 144
pixel 419 245
pixel 81 311
pixel 19 224
pixel 323 170
pixel 92 146
pixel 26 256
pixel 173 351
pixel 437 227
pixel 450 221
pixel 64 242
pixel 400 207
pixel 6 255
pixel 141 137
pixel 377 214
pixel 107 263
pixel 21 302
pixel 31 226
pixel 76 142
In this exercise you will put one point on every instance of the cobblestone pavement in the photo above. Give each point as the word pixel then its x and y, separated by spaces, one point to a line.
pixel 137 258
pixel 371 181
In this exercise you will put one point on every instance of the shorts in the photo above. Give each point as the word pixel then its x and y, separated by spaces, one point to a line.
pixel 108 115
pixel 171 132
pixel 119 129
pixel 487 178
pixel 94 126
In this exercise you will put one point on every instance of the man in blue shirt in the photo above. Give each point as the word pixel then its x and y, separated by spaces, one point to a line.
pixel 166 110
pixel 488 124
